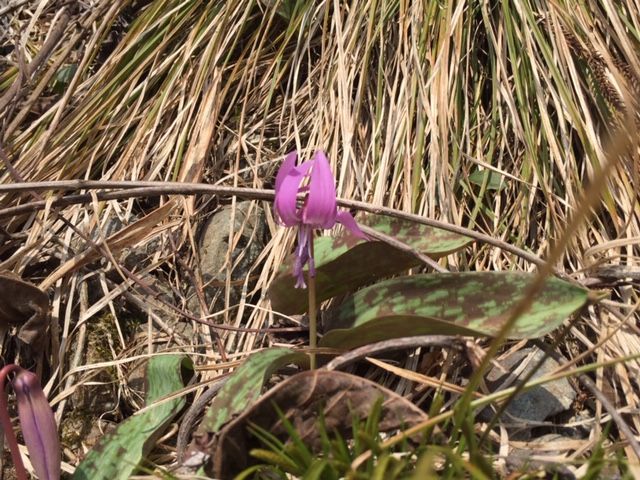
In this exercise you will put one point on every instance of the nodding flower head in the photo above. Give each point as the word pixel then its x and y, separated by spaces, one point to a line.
pixel 36 421
pixel 318 209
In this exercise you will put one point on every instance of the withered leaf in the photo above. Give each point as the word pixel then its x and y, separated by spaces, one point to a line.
pixel 24 305
pixel 300 398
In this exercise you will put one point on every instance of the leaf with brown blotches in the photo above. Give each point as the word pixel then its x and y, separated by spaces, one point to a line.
pixel 345 263
pixel 244 386
pixel 24 305
pixel 469 303
pixel 122 452
pixel 341 396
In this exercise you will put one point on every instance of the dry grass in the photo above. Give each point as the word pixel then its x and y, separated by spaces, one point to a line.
pixel 410 100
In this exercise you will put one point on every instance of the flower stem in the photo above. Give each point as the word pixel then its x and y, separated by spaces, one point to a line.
pixel 5 421
pixel 313 330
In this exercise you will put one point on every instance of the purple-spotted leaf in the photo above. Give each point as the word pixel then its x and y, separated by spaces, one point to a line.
pixel 346 263
pixel 245 385
pixel 476 303
pixel 118 454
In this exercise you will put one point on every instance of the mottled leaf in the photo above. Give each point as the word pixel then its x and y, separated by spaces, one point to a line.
pixel 24 305
pixel 300 398
pixel 476 303
pixel 346 263
pixel 118 454
pixel 245 384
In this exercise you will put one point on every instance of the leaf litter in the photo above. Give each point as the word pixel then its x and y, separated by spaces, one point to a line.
pixel 179 105
pixel 302 399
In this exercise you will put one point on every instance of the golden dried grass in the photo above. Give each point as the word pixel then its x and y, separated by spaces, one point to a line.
pixel 408 98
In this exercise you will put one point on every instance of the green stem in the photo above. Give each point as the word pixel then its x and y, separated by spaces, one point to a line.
pixel 313 329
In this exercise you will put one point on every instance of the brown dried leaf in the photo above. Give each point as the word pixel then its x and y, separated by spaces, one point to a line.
pixel 300 398
pixel 25 305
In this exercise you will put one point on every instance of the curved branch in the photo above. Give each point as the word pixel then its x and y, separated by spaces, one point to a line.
pixel 129 189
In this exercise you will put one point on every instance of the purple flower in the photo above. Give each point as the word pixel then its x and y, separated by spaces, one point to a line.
pixel 318 210
pixel 38 424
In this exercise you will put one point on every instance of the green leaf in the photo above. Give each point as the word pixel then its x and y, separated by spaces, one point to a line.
pixel 494 180
pixel 317 468
pixel 63 78
pixel 474 304
pixel 346 263
pixel 287 8
pixel 118 455
pixel 245 384
pixel 278 459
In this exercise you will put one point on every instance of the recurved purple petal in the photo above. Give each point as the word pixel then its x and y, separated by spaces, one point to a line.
pixel 287 188
pixel 288 164
pixel 347 220
pixel 38 425
pixel 320 209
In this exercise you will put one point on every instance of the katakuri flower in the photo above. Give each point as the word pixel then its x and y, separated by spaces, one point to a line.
pixel 318 209
pixel 37 421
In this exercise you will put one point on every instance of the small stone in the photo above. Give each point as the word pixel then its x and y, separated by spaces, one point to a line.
pixel 529 408
pixel 213 244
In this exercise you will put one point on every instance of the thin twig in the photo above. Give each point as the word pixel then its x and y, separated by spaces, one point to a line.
pixel 151 189
pixel 13 6
pixel 391 345
pixel 192 414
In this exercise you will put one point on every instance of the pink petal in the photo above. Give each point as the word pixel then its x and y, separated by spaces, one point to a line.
pixel 38 425
pixel 288 164
pixel 288 183
pixel 320 209
pixel 347 220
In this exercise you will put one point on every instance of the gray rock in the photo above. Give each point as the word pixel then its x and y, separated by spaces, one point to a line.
pixel 248 220
pixel 528 409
